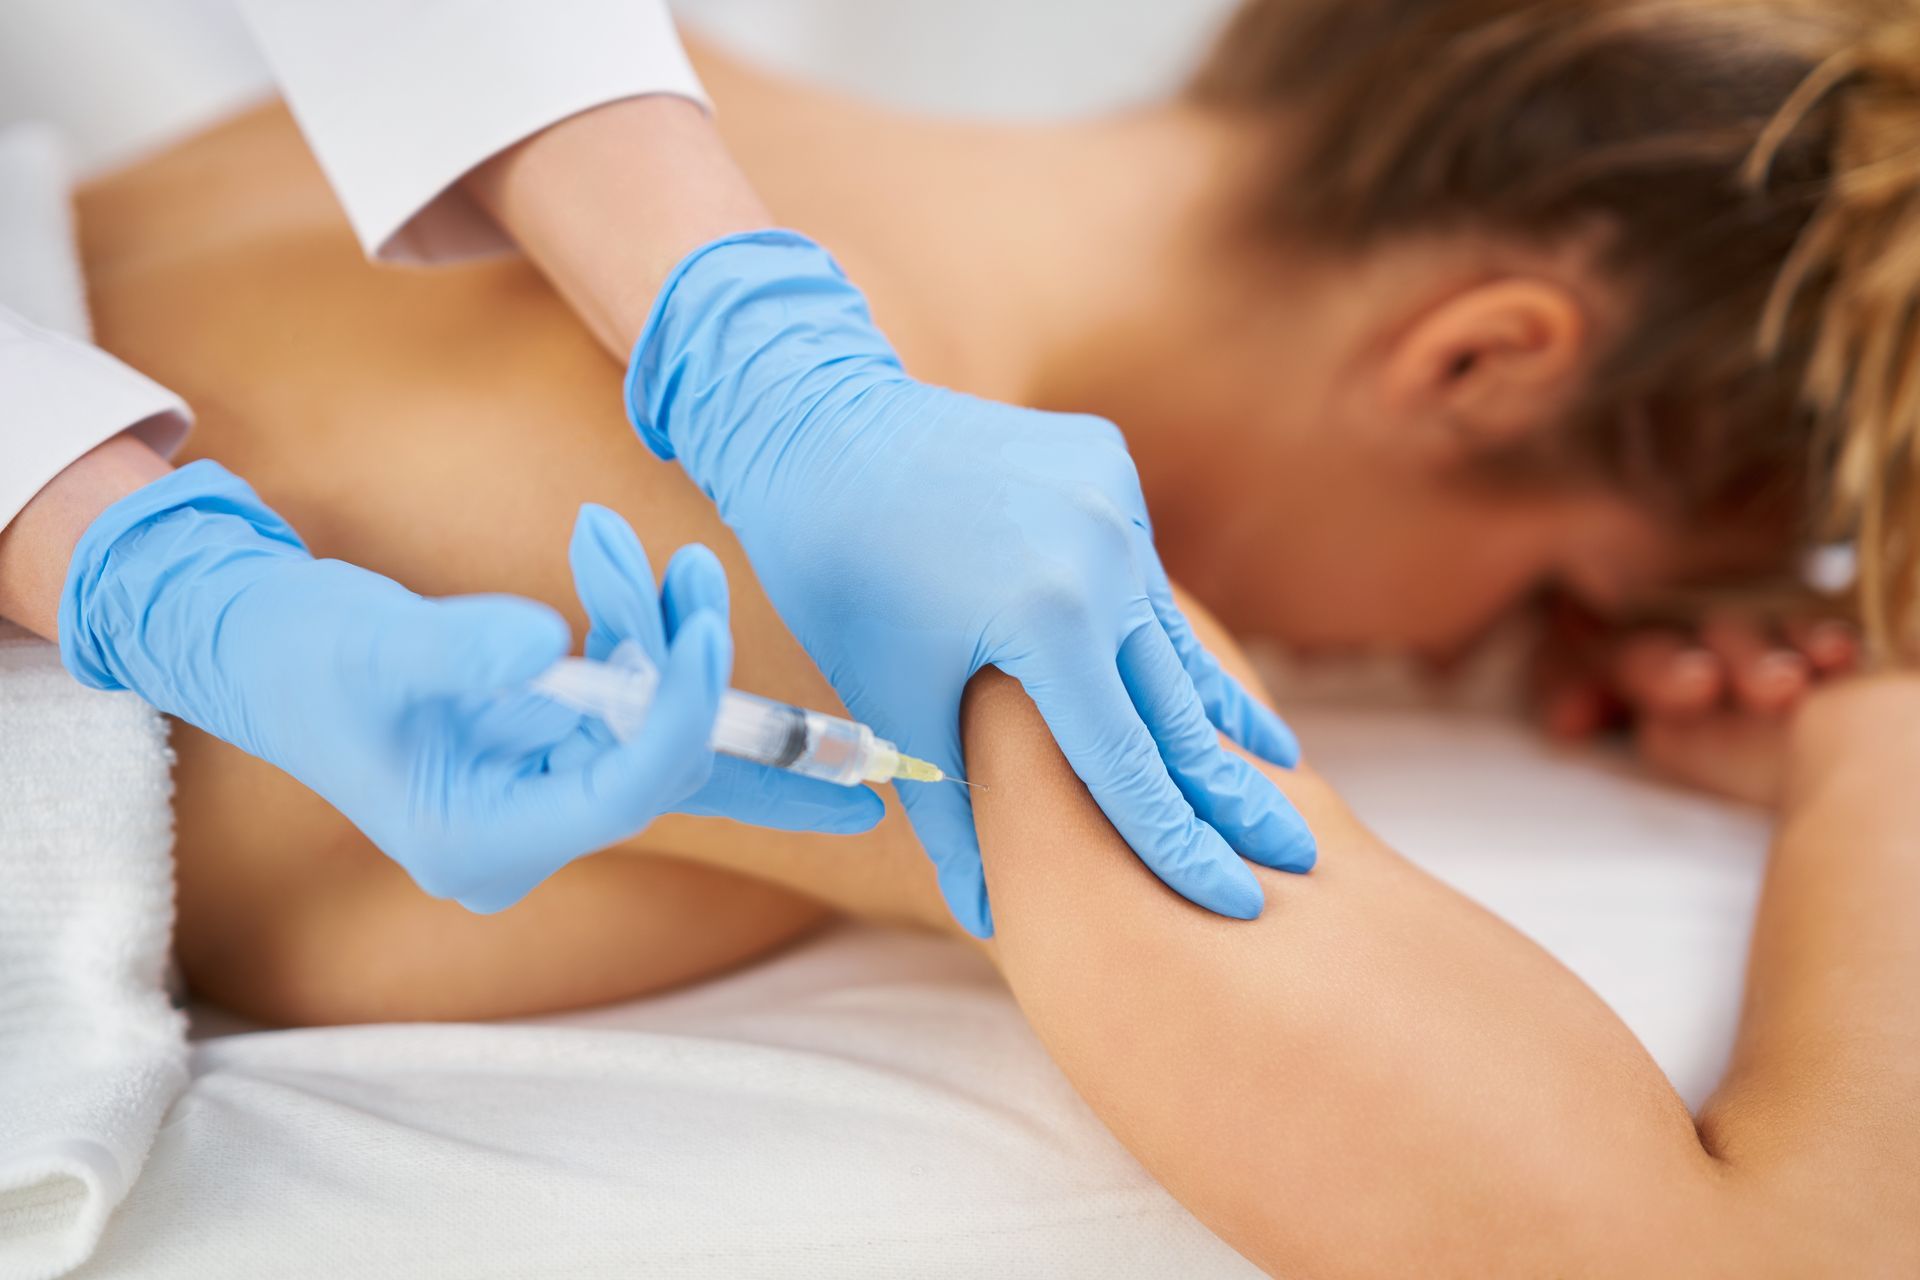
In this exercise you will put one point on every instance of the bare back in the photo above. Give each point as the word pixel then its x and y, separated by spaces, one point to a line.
pixel 443 428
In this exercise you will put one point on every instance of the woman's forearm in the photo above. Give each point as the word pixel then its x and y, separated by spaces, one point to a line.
pixel 1823 1101
pixel 36 547
pixel 607 202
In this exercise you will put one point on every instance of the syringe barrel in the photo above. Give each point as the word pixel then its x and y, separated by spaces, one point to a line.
pixel 748 726
pixel 794 739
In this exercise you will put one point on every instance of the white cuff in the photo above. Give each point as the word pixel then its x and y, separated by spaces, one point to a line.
pixel 60 398
pixel 400 101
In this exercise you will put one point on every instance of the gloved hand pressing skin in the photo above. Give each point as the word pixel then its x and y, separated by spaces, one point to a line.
pixel 910 536
pixel 402 712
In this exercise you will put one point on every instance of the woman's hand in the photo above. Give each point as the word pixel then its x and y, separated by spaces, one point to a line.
pixel 1709 708
pixel 410 715
pixel 911 536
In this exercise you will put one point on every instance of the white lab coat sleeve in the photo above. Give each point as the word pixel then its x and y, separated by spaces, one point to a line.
pixel 401 100
pixel 59 396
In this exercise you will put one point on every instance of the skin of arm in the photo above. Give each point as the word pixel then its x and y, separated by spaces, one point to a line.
pixel 36 548
pixel 586 199
pixel 1377 1071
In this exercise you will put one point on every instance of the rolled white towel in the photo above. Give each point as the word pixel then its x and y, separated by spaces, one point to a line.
pixel 92 1052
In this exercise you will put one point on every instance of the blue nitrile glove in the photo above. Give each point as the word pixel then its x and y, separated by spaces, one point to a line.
pixel 910 536
pixel 409 715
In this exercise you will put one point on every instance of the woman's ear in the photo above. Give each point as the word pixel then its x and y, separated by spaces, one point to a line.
pixel 1489 366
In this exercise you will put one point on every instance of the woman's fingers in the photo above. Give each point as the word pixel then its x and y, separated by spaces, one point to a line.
pixel 1766 677
pixel 1665 674
pixel 1737 662
pixel 1730 754
pixel 1831 646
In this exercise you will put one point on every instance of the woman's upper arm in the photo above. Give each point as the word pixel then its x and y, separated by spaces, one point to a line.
pixel 1374 1064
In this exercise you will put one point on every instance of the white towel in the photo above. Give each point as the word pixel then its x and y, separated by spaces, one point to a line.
pixel 92 1053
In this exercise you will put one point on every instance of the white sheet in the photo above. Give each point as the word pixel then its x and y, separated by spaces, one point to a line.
pixel 873 1104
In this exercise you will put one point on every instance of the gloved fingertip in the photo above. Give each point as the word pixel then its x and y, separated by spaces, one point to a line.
pixel 604 544
pixel 975 917
pixel 719 650
pixel 863 811
pixel 1282 744
pixel 1278 837
pixel 704 636
pixel 1240 897
pixel 965 889
pixel 493 900
pixel 1291 846
pixel 594 514
pixel 1261 730
pixel 694 581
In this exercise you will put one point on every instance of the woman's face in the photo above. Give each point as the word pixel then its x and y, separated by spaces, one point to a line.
pixel 1380 559
pixel 1312 486
pixel 1385 566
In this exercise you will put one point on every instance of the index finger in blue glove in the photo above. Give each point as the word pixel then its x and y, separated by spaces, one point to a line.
pixel 782 801
pixel 1093 719
pixel 1233 710
pixel 1227 793
pixel 694 581
pixel 614 580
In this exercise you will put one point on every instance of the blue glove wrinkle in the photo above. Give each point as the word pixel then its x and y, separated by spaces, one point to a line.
pixel 170 509
pixel 1235 711
pixel 1225 790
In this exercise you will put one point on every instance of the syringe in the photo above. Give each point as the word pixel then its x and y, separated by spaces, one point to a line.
pixel 620 690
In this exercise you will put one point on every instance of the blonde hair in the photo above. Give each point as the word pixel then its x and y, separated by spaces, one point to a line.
pixel 1755 165
pixel 1853 282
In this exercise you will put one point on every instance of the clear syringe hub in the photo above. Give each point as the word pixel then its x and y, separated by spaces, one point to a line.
pixel 750 727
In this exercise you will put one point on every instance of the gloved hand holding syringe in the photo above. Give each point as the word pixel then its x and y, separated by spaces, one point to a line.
pixel 620 690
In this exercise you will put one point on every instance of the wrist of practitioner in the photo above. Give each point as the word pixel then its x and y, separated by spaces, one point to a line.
pixel 608 202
